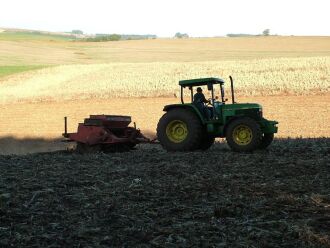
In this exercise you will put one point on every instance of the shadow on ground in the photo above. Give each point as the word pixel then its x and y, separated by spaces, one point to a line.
pixel 12 145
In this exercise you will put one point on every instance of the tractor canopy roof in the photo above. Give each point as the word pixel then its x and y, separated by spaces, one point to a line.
pixel 200 82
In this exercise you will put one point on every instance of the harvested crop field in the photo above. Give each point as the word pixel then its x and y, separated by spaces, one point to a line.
pixel 264 77
pixel 148 197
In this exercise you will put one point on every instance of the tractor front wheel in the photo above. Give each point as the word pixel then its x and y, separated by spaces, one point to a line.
pixel 243 135
pixel 180 130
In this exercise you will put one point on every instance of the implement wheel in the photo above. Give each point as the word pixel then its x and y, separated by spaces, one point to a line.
pixel 179 130
pixel 243 135
pixel 266 140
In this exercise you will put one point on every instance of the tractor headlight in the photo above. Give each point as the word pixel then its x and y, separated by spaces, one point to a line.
pixel 260 112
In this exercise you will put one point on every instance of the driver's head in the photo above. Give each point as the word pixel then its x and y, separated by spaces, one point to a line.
pixel 199 90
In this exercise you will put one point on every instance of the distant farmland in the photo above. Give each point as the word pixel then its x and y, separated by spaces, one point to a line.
pixel 44 79
pixel 49 50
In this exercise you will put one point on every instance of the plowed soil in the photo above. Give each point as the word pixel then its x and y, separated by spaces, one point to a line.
pixel 150 198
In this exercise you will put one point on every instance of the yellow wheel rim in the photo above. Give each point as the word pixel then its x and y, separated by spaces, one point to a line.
pixel 176 131
pixel 242 135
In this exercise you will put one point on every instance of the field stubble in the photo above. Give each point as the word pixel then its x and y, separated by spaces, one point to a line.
pixel 284 76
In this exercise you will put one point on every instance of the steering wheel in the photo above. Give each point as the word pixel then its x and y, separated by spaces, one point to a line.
pixel 209 102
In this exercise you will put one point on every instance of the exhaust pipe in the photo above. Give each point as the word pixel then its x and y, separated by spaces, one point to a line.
pixel 232 89
pixel 65 134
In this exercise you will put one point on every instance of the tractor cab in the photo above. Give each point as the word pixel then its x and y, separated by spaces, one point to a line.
pixel 187 127
pixel 215 86
pixel 211 84
pixel 220 111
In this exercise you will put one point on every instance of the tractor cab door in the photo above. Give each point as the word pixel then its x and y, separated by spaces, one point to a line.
pixel 218 109
pixel 218 103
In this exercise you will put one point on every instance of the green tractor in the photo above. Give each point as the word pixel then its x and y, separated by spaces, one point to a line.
pixel 185 127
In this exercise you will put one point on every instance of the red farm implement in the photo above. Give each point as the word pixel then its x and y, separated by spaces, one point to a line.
pixel 107 133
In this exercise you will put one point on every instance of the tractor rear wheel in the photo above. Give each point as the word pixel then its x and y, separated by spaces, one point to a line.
pixel 180 130
pixel 83 148
pixel 243 135
pixel 266 140
pixel 207 142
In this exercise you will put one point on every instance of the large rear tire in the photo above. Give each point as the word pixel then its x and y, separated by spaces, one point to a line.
pixel 243 135
pixel 180 130
pixel 266 140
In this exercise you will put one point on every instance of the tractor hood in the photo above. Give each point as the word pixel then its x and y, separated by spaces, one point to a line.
pixel 239 106
pixel 252 110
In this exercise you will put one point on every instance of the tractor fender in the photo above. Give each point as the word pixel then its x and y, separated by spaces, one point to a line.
pixel 189 107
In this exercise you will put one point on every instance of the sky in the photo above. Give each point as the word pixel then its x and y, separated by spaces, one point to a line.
pixel 197 18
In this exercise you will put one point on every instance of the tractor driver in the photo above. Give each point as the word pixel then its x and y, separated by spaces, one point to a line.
pixel 199 102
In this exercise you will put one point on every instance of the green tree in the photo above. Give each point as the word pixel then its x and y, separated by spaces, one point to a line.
pixel 179 35
pixel 76 31
pixel 266 32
